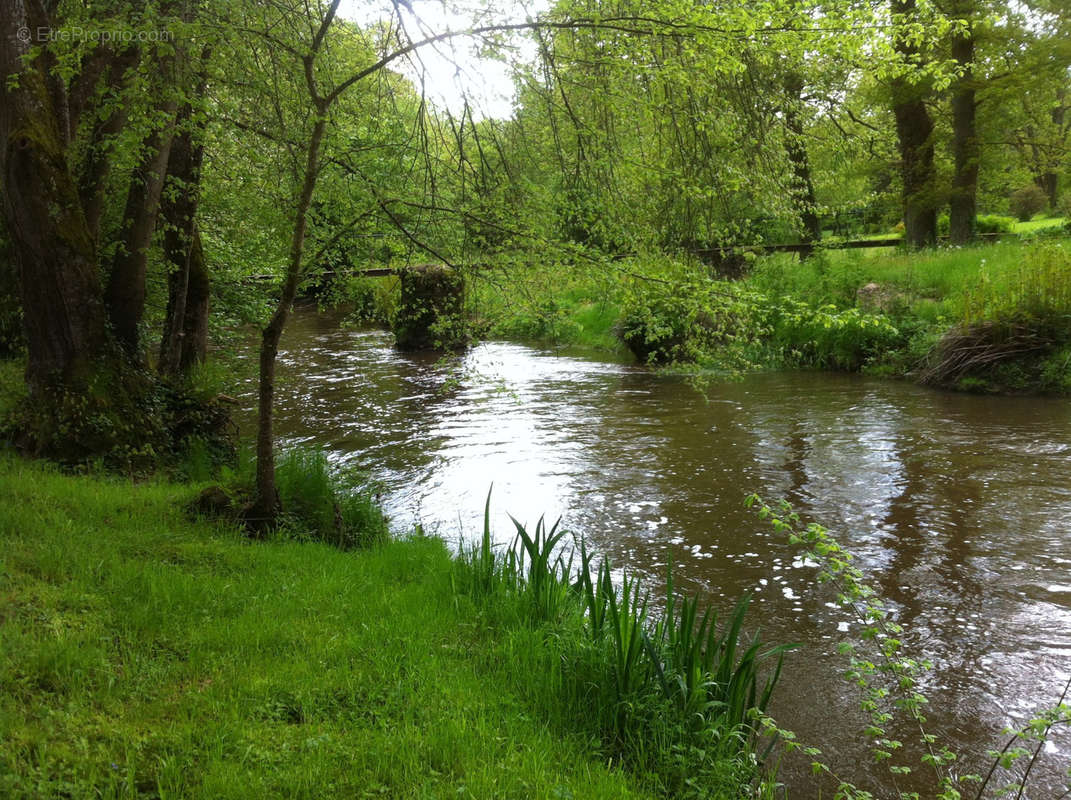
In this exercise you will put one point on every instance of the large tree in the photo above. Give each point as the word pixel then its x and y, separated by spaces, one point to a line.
pixel 75 130
pixel 914 129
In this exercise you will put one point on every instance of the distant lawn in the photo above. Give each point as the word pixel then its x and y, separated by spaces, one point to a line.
pixel 1038 223
pixel 145 655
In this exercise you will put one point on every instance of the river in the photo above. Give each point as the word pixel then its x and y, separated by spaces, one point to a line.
pixel 957 507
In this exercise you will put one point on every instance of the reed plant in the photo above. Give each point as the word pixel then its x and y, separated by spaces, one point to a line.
pixel 673 696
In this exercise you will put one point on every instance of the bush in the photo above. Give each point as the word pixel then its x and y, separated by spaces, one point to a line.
pixel 691 323
pixel 1064 206
pixel 1024 203
pixel 994 223
pixel 828 338
pixel 983 223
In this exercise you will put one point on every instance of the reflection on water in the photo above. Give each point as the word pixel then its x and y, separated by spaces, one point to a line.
pixel 957 507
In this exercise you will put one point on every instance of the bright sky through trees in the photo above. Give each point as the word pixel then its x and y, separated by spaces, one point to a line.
pixel 454 71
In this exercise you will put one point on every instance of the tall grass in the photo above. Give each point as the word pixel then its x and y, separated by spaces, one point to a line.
pixel 1037 286
pixel 671 695
pixel 320 502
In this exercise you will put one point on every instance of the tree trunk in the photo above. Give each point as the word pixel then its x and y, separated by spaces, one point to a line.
pixel 1050 184
pixel 914 131
pixel 965 147
pixel 803 184
pixel 185 327
pixel 93 171
pixel 63 313
pixel 266 503
pixel 125 292
pixel 185 337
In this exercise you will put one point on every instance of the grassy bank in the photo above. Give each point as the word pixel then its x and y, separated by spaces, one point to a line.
pixel 916 315
pixel 146 654
pixel 143 654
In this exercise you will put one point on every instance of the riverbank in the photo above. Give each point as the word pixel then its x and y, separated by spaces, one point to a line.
pixel 990 318
pixel 147 654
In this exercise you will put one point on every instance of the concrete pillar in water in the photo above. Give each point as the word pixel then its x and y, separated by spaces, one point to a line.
pixel 431 310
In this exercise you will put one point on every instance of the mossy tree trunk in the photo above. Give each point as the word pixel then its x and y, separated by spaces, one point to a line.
pixel 963 212
pixel 89 397
pixel 185 333
pixel 125 292
pixel 109 69
pixel 796 149
pixel 63 309
pixel 914 133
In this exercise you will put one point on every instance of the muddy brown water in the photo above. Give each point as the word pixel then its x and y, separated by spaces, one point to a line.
pixel 957 507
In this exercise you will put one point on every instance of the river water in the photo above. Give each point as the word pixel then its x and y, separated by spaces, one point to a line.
pixel 957 507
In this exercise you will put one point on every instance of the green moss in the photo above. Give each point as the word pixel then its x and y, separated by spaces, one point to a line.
pixel 431 310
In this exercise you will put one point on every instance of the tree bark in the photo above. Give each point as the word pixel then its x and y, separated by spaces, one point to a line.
pixel 186 324
pixel 914 131
pixel 125 292
pixel 185 337
pixel 93 172
pixel 266 503
pixel 63 312
pixel 966 151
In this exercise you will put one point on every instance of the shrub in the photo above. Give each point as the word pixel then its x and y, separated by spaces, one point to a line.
pixel 994 223
pixel 691 322
pixel 983 223
pixel 1026 202
pixel 1064 206
pixel 826 337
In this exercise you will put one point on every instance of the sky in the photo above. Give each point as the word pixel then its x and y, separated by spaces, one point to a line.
pixel 454 70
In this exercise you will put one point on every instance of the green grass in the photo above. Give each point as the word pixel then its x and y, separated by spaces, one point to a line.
pixel 1038 223
pixel 143 654
pixel 931 283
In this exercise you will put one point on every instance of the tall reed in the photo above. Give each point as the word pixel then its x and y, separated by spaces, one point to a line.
pixel 673 695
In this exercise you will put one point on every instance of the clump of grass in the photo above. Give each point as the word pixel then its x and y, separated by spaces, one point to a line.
pixel 318 501
pixel 672 696
pixel 318 505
